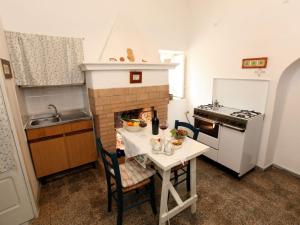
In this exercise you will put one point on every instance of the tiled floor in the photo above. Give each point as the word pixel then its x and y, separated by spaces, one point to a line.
pixel 260 198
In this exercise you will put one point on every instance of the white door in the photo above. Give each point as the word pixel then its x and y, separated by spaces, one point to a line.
pixel 230 148
pixel 15 207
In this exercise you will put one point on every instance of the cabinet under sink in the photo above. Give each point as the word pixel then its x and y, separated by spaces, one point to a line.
pixel 61 147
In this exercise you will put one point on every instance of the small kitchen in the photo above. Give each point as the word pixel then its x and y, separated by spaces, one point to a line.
pixel 126 109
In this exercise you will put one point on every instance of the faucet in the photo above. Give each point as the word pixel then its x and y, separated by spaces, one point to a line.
pixel 55 109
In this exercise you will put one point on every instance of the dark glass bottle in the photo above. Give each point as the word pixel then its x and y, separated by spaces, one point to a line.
pixel 155 123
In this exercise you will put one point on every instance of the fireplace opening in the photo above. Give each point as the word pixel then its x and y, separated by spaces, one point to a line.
pixel 144 114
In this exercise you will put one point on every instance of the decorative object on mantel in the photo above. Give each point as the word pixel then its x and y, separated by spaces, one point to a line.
pixel 130 55
pixel 122 59
pixel 113 60
pixel 6 69
pixel 40 60
pixel 254 63
pixel 135 77
pixel 143 60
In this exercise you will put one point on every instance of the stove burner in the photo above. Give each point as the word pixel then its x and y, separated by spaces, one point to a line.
pixel 245 114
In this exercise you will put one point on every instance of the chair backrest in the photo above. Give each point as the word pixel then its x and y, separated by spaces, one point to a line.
pixel 188 126
pixel 111 164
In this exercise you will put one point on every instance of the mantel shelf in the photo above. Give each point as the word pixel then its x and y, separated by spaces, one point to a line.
pixel 96 66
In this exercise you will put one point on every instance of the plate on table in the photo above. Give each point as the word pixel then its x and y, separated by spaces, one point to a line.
pixel 177 143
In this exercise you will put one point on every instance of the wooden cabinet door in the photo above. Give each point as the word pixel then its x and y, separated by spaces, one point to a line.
pixel 81 148
pixel 49 156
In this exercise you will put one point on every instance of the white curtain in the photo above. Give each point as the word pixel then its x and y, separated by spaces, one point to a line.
pixel 40 60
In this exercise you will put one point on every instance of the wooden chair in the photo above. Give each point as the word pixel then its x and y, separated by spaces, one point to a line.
pixel 181 170
pixel 126 180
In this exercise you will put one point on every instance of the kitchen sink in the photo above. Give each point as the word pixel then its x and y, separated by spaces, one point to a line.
pixel 45 121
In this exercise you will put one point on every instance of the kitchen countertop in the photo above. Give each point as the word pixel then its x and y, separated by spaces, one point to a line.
pixel 65 117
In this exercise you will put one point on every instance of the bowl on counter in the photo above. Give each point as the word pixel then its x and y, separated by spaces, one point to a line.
pixel 134 125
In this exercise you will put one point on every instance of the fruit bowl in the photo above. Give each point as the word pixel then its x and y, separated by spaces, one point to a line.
pixel 179 134
pixel 132 125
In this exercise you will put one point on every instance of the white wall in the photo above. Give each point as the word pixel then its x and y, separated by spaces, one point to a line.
pixel 285 128
pixel 161 21
pixel 176 111
pixel 222 33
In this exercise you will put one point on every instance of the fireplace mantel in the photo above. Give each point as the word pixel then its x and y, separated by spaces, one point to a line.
pixel 97 66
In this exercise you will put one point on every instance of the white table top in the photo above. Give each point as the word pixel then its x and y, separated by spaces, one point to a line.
pixel 141 139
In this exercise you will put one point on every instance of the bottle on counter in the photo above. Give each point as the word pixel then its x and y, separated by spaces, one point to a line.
pixel 155 123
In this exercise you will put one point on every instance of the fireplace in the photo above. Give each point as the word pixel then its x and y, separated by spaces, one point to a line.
pixel 110 92
pixel 107 105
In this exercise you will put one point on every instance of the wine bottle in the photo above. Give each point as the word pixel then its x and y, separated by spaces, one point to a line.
pixel 155 123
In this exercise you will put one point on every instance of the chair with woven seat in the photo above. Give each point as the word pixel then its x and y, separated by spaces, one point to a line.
pixel 126 179
pixel 181 170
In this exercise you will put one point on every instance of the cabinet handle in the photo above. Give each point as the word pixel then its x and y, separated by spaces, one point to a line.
pixel 233 127
pixel 205 119
pixel 79 132
pixel 45 138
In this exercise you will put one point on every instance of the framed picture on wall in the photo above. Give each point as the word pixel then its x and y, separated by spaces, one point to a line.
pixel 6 68
pixel 135 77
pixel 254 63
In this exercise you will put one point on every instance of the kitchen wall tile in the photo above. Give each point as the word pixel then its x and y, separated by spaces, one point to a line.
pixel 64 98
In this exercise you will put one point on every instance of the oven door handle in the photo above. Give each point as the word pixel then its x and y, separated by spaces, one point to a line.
pixel 205 119
pixel 233 127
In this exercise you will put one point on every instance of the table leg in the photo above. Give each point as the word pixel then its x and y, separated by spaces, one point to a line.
pixel 164 194
pixel 193 182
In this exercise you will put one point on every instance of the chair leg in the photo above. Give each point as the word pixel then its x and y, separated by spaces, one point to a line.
pixel 109 197
pixel 152 196
pixel 120 207
pixel 188 180
pixel 120 215
pixel 176 177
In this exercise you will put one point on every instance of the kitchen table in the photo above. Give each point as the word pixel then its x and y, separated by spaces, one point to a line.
pixel 189 151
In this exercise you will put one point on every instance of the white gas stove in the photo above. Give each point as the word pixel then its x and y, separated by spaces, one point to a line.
pixel 233 135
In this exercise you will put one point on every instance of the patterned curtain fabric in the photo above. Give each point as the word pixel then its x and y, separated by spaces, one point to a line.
pixel 40 60
pixel 7 145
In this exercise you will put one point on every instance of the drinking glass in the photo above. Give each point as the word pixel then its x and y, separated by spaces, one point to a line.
pixel 163 126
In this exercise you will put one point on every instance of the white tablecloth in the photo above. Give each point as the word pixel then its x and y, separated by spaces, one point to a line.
pixel 138 143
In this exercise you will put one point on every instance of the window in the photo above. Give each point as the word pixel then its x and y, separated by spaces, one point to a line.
pixel 176 76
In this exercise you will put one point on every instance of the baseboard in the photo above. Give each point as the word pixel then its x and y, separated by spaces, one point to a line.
pixel 287 170
pixel 265 167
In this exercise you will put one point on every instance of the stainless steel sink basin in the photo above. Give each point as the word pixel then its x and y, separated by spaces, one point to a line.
pixel 71 116
pixel 45 121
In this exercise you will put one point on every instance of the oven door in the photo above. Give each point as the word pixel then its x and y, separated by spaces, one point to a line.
pixel 209 131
